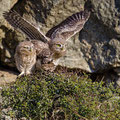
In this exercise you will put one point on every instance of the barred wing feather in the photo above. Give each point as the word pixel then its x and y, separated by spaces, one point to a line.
pixel 69 26
pixel 18 22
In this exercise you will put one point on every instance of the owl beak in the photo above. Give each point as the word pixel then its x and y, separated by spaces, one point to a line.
pixel 30 49
pixel 62 48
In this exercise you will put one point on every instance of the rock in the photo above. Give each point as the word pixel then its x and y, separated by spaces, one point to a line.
pixel 97 47
pixel 118 82
pixel 7 77
pixel 117 70
pixel 5 114
pixel 94 49
pixel 99 40
pixel 6 34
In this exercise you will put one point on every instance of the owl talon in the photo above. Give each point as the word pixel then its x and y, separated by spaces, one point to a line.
pixel 20 75
pixel 23 74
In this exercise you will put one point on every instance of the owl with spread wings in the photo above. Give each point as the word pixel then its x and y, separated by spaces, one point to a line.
pixel 50 47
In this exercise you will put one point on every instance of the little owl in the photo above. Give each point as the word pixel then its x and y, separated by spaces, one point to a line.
pixel 25 57
pixel 50 47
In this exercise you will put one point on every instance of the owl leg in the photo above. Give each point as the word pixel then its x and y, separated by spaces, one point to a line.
pixel 28 73
pixel 24 73
pixel 29 70
pixel 21 74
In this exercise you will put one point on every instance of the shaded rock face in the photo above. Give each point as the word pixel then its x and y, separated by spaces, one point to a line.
pixel 101 35
pixel 8 38
pixel 97 48
pixel 94 49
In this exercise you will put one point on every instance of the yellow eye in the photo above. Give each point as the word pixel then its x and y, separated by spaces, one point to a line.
pixel 26 47
pixel 58 45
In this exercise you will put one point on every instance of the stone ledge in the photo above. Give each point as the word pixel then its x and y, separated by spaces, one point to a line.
pixel 7 76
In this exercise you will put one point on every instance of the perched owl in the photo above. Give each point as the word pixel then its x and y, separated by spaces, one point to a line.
pixel 52 46
pixel 25 57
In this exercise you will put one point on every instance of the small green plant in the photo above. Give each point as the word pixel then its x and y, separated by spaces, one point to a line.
pixel 48 96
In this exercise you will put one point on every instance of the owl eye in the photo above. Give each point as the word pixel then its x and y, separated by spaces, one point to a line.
pixel 25 47
pixel 59 45
pixel 28 48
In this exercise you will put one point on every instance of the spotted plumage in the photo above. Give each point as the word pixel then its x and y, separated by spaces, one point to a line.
pixel 50 47
pixel 25 58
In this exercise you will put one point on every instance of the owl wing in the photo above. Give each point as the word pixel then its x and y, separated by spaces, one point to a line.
pixel 23 25
pixel 39 46
pixel 69 26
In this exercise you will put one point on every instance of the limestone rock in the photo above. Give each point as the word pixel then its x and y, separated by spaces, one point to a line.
pixel 7 41
pixel 99 39
pixel 7 76
pixel 98 43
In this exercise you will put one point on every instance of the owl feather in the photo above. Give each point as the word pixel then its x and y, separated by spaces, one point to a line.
pixel 66 29
pixel 23 25
pixel 70 26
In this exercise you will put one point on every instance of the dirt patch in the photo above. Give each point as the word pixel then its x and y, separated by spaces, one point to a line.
pixel 7 76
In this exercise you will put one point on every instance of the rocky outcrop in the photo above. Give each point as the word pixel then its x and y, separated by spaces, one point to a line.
pixel 99 39
pixel 7 35
pixel 94 49
pixel 7 76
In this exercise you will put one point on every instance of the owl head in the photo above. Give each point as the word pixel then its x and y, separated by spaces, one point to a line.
pixel 25 48
pixel 57 46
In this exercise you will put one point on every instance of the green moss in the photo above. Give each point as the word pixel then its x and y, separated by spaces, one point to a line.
pixel 57 97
